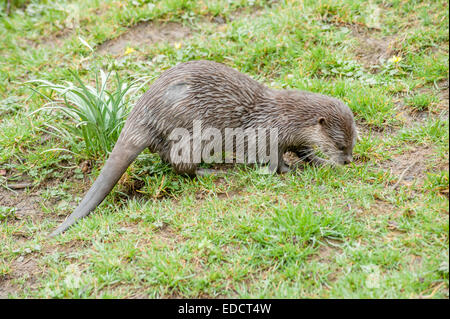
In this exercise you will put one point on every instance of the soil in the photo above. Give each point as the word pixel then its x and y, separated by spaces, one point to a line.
pixel 145 33
pixel 148 33
pixel 371 51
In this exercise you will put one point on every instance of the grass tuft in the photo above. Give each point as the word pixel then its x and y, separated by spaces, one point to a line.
pixel 93 114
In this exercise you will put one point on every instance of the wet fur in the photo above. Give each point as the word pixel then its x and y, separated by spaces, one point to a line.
pixel 222 97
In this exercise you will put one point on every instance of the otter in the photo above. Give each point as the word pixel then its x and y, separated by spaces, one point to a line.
pixel 222 97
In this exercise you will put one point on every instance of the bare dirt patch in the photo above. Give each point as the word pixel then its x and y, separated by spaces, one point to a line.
pixel 409 116
pixel 51 41
pixel 378 208
pixel 381 132
pixel 57 40
pixel 412 164
pixel 26 204
pixel 327 251
pixel 150 32
pixel 21 267
pixel 167 236
pixel 443 96
pixel 371 50
pixel 254 12
pixel 28 200
pixel 145 33
pixel 412 116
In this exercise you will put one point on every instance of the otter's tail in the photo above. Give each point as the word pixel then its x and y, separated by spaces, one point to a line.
pixel 121 157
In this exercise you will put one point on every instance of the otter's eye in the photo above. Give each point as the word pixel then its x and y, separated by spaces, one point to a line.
pixel 341 148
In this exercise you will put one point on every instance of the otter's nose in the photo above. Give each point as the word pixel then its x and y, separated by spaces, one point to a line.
pixel 348 160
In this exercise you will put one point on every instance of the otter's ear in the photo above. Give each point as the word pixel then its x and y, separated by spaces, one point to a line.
pixel 321 121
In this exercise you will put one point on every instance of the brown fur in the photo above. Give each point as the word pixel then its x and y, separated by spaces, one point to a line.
pixel 222 97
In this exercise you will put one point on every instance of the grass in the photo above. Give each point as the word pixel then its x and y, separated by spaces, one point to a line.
pixel 345 232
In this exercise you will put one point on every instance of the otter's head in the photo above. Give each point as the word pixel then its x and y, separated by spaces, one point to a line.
pixel 336 132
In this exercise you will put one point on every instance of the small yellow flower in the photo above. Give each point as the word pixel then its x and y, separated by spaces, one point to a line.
pixel 177 45
pixel 395 59
pixel 129 51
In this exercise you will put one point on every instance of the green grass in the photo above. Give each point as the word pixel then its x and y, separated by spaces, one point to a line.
pixel 342 232
pixel 95 115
